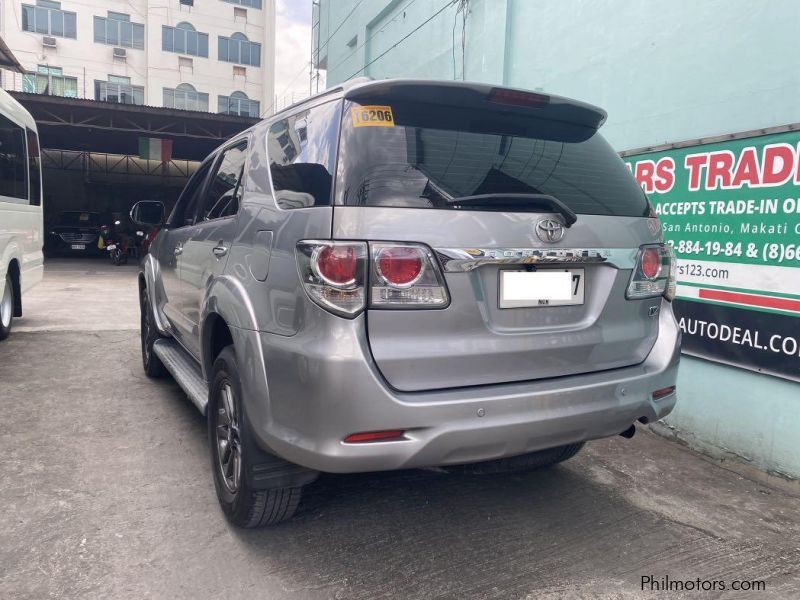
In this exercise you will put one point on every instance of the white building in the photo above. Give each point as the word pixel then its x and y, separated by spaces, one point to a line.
pixel 208 55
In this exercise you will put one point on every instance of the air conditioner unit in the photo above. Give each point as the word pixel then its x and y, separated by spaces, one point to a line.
pixel 48 41
pixel 120 53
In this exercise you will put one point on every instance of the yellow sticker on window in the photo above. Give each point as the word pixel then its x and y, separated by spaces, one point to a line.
pixel 373 116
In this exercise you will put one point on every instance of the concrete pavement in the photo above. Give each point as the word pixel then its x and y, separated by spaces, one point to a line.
pixel 106 492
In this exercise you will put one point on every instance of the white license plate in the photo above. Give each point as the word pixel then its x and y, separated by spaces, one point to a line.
pixel 78 246
pixel 111 247
pixel 546 287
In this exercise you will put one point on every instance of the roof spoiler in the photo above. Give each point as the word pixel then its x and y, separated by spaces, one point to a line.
pixel 479 96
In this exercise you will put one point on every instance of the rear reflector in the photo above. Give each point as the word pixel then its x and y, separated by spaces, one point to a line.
pixel 663 392
pixel 517 98
pixel 375 436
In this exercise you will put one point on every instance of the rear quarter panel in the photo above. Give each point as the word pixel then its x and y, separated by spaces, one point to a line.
pixel 262 257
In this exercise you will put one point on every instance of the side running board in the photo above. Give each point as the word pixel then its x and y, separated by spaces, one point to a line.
pixel 185 370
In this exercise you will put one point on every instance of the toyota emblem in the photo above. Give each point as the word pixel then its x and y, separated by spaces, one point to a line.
pixel 549 230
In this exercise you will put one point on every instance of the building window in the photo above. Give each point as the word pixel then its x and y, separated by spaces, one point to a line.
pixel 50 81
pixel 187 2
pixel 118 30
pixel 239 104
pixel 48 18
pixel 238 49
pixel 185 97
pixel 184 39
pixel 118 89
pixel 248 3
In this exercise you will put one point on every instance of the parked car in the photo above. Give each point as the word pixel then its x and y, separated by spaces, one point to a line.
pixel 399 274
pixel 75 233
pixel 21 229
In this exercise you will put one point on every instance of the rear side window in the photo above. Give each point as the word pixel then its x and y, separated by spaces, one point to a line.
pixel 224 188
pixel 186 207
pixel 34 168
pixel 302 152
pixel 429 156
pixel 13 174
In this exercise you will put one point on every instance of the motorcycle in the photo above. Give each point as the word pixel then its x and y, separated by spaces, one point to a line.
pixel 117 250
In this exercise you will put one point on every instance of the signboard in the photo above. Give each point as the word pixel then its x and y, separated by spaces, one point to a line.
pixel 731 211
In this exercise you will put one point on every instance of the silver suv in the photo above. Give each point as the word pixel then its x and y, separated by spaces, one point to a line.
pixel 399 274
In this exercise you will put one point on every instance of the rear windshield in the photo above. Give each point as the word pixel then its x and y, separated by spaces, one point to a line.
pixel 428 156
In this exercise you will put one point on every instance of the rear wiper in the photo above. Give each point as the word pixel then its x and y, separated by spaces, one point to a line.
pixel 554 203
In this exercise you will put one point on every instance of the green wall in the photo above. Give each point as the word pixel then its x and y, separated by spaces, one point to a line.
pixel 666 71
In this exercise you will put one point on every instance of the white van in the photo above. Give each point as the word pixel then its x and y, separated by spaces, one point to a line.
pixel 21 226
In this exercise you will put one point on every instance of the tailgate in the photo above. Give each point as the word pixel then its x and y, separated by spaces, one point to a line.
pixel 474 341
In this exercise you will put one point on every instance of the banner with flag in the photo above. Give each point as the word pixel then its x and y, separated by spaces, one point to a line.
pixel 155 149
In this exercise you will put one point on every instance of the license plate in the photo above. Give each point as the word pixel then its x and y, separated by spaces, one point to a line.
pixel 111 247
pixel 546 287
pixel 78 246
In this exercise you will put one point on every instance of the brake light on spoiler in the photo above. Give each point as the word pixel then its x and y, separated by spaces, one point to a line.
pixel 518 98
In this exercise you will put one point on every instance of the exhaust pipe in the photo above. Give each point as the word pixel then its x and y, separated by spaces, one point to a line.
pixel 629 432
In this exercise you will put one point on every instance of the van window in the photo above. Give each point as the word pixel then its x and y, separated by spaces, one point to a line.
pixel 34 168
pixel 224 189
pixel 13 176
pixel 302 151
pixel 428 156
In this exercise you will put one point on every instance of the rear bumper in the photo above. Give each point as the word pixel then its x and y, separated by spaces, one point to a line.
pixel 321 385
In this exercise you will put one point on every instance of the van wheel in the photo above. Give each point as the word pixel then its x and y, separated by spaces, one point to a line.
pixel 153 367
pixel 234 454
pixel 524 462
pixel 7 308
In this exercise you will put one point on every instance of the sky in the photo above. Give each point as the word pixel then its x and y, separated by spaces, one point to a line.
pixel 292 50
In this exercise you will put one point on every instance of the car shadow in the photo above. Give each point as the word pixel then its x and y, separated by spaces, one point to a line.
pixel 429 534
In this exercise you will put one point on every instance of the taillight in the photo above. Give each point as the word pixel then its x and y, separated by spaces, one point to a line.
pixel 654 273
pixel 400 266
pixel 333 274
pixel 651 263
pixel 401 275
pixel 405 276
pixel 336 265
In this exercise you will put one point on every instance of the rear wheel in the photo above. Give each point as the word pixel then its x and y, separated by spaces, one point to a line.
pixel 234 455
pixel 153 366
pixel 524 462
pixel 7 308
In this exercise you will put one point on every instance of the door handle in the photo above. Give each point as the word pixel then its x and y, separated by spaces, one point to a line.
pixel 178 250
pixel 219 251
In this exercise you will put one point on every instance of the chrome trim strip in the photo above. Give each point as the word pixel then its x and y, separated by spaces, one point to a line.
pixel 462 260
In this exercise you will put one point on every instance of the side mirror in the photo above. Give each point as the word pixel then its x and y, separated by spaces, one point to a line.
pixel 148 213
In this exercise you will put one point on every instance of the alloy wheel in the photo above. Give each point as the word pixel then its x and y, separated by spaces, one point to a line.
pixel 229 447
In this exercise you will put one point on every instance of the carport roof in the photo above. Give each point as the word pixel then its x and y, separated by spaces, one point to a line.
pixel 8 60
pixel 89 125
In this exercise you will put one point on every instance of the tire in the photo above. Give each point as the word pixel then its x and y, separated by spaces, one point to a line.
pixel 243 504
pixel 7 302
pixel 524 462
pixel 153 366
